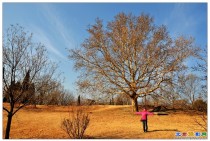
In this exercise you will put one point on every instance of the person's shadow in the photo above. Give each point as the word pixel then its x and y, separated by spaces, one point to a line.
pixel 162 130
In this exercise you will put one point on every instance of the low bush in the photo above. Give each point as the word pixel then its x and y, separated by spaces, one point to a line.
pixel 200 105
pixel 76 124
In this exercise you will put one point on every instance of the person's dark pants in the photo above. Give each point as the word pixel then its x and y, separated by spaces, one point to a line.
pixel 145 127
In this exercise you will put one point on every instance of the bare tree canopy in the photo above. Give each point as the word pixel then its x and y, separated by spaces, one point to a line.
pixel 130 56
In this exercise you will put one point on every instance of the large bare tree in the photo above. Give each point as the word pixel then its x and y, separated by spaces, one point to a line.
pixel 24 63
pixel 131 56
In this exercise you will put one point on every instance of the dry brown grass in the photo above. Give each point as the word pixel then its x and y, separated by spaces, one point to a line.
pixel 106 122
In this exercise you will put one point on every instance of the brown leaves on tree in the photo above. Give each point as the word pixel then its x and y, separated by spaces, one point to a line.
pixel 131 55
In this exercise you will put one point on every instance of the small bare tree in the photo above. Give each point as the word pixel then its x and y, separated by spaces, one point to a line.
pixel 67 98
pixel 190 87
pixel 24 63
pixel 45 84
pixel 201 67
pixel 170 94
pixel 76 124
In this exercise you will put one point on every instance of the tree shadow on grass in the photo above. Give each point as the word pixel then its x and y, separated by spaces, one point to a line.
pixel 163 130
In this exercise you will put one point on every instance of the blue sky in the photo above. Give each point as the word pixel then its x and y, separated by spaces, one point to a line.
pixel 62 26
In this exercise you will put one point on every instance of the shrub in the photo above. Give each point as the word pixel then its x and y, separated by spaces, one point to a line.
pixel 76 124
pixel 200 105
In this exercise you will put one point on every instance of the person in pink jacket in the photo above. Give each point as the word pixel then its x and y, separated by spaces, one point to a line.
pixel 144 114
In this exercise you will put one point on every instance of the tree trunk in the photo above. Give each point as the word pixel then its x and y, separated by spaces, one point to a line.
pixel 193 99
pixel 135 104
pixel 9 121
pixel 145 100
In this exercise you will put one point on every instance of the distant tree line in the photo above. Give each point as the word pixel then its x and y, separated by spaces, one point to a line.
pixel 51 93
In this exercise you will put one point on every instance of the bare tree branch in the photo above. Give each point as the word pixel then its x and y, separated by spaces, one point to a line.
pixel 5 109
